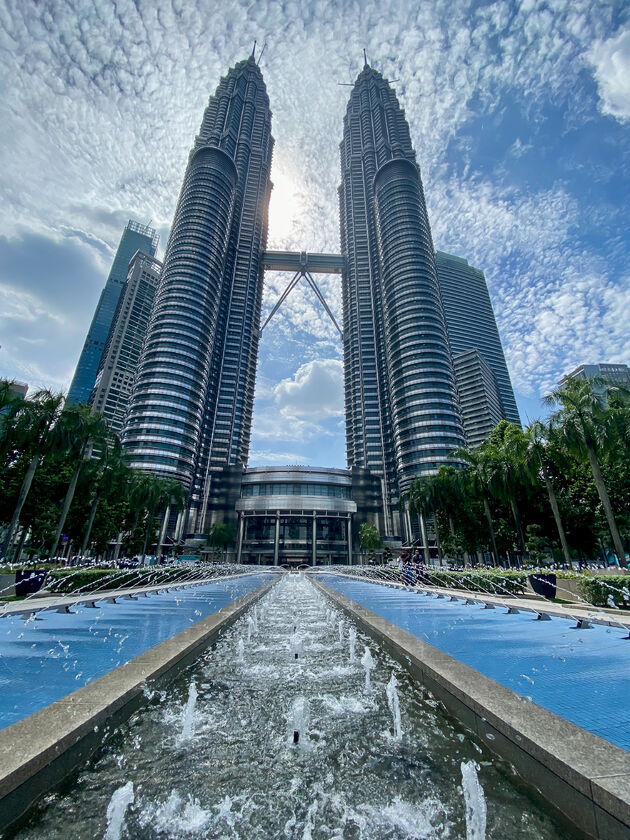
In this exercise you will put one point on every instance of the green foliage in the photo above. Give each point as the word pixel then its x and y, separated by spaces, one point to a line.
pixel 598 589
pixel 537 545
pixel 91 580
pixel 369 537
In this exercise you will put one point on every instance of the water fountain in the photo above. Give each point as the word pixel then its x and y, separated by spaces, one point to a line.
pixel 368 666
pixel 240 651
pixel 299 718
pixel 118 804
pixel 394 707
pixel 476 811
pixel 188 714
pixel 286 747
pixel 352 641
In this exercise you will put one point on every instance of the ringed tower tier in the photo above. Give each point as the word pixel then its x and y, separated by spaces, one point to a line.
pixel 402 413
pixel 191 410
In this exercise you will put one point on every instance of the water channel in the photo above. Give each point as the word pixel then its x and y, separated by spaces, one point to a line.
pixel 295 726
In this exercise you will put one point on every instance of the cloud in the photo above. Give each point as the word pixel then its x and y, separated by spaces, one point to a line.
pixel 101 102
pixel 314 392
pixel 611 63
pixel 49 286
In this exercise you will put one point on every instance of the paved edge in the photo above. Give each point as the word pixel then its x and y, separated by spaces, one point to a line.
pixel 580 774
pixel 40 751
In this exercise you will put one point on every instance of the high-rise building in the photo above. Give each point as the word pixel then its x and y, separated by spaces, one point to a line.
pixel 191 409
pixel 402 416
pixel 479 398
pixel 135 237
pixel 617 373
pixel 119 362
pixel 472 326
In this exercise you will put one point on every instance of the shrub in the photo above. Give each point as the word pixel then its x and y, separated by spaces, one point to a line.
pixel 598 590
pixel 90 580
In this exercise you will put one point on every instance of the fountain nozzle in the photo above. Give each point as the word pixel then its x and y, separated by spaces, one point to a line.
pixel 296 734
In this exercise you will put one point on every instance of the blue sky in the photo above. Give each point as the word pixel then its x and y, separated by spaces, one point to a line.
pixel 519 113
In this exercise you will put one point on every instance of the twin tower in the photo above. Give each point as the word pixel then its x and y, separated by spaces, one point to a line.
pixel 191 410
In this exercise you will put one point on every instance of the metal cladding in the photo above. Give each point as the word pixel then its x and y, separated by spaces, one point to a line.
pixel 402 417
pixel 193 396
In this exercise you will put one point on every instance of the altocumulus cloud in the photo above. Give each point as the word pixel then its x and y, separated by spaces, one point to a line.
pixel 611 60
pixel 524 175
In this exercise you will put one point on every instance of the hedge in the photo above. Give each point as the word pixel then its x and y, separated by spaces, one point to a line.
pixel 598 590
pixel 89 580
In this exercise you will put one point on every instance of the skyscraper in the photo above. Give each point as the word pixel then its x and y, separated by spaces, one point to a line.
pixel 119 362
pixel 471 323
pixel 190 413
pixel 479 398
pixel 135 237
pixel 402 416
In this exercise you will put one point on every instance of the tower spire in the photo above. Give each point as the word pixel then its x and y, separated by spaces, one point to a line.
pixel 365 61
pixel 253 55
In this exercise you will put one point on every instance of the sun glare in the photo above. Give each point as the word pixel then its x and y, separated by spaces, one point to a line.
pixel 284 207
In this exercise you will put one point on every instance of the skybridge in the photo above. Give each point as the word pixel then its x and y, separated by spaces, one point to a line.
pixel 302 264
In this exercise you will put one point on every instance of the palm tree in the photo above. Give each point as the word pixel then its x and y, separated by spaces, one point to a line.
pixel 173 493
pixel 580 421
pixel 419 497
pixel 80 431
pixel 475 479
pixel 32 426
pixel 369 538
pixel 535 460
pixel 504 451
pixel 111 467
pixel 221 536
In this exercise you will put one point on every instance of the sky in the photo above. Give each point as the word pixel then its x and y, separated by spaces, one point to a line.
pixel 519 114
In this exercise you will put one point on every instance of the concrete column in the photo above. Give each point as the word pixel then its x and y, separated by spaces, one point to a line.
pixel 314 546
pixel 276 541
pixel 349 532
pixel 241 529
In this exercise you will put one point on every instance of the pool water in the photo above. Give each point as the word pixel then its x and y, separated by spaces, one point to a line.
pixel 582 675
pixel 44 659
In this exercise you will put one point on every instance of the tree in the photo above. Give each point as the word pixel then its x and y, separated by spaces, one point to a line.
pixel 220 537
pixel 369 538
pixel 475 480
pixel 505 470
pixel 580 421
pixel 110 471
pixel 536 465
pixel 32 427
pixel 79 431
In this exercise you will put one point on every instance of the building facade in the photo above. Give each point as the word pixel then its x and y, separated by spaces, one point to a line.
pixel 472 326
pixel 296 515
pixel 479 398
pixel 402 415
pixel 119 361
pixel 135 237
pixel 190 413
pixel 619 374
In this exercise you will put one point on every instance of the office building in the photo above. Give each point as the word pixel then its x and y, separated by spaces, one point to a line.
pixel 135 237
pixel 479 398
pixel 119 362
pixel 616 373
pixel 191 409
pixel 472 326
pixel 402 416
